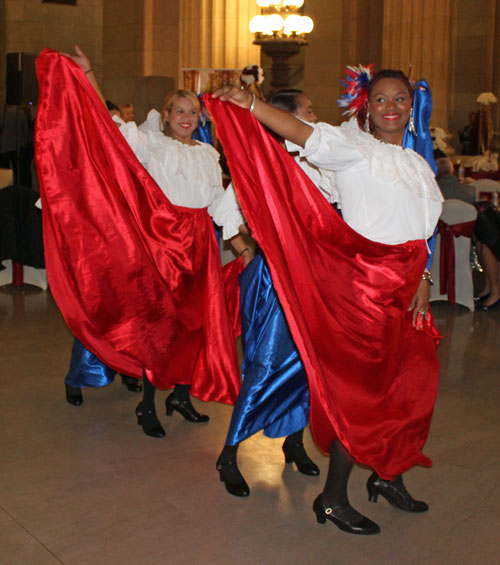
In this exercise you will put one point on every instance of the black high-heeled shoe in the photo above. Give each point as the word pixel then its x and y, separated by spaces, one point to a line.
pixel 232 478
pixel 297 454
pixel 395 493
pixel 149 422
pixel 133 385
pixel 73 395
pixel 487 308
pixel 185 408
pixel 345 518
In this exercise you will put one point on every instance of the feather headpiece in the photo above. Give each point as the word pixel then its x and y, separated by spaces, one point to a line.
pixel 355 86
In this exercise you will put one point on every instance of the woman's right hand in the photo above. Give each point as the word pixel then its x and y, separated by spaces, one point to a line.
pixel 281 122
pixel 234 94
pixel 79 58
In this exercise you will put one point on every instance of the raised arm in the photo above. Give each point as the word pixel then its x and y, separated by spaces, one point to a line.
pixel 84 63
pixel 279 121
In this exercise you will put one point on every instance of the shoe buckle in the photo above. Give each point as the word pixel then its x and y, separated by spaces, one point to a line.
pixel 328 510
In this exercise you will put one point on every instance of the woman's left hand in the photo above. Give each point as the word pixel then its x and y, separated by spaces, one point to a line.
pixel 84 63
pixel 79 58
pixel 412 81
pixel 420 304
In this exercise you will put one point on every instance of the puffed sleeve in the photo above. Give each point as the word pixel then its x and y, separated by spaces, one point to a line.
pixel 138 140
pixel 328 148
pixel 152 122
pixel 214 179
pixel 228 214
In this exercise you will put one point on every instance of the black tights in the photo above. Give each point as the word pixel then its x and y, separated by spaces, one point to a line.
pixel 148 393
pixel 181 392
pixel 295 438
pixel 229 452
pixel 149 389
pixel 339 470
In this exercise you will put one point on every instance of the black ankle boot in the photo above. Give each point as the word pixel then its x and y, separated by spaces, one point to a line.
pixel 297 454
pixel 230 475
pixel 395 493
pixel 73 395
pixel 149 422
pixel 345 518
pixel 133 385
pixel 185 408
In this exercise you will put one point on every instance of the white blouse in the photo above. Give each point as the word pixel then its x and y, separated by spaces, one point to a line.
pixel 228 214
pixel 388 194
pixel 189 175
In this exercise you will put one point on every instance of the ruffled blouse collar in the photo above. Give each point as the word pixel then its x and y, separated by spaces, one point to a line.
pixel 393 163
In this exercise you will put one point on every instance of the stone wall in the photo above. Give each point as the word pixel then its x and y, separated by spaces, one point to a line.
pixel 475 34
pixel 139 47
pixel 28 26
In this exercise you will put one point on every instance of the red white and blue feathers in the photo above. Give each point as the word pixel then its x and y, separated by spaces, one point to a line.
pixel 355 84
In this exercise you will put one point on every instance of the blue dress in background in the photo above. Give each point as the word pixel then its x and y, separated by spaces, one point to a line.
pixel 274 395
pixel 421 140
pixel 86 369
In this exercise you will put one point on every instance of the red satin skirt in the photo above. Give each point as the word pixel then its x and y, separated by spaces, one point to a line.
pixel 372 375
pixel 138 280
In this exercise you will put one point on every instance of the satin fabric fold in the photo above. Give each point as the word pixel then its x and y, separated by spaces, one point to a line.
pixel 138 280
pixel 447 263
pixel 421 140
pixel 372 376
pixel 86 370
pixel 274 395
pixel 231 272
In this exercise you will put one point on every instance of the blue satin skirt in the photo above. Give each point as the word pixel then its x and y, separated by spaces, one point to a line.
pixel 274 395
pixel 86 369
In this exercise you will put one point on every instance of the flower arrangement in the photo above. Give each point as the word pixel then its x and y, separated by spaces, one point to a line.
pixel 487 98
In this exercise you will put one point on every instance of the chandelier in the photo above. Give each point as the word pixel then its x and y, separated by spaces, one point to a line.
pixel 280 20
pixel 281 30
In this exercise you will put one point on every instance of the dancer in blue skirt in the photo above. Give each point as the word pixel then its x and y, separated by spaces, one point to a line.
pixel 274 396
pixel 86 370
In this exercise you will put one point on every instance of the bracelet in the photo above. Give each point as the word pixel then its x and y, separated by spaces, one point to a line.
pixel 88 71
pixel 426 276
pixel 246 249
pixel 252 105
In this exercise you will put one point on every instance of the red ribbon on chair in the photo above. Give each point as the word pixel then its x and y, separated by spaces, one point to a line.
pixel 447 258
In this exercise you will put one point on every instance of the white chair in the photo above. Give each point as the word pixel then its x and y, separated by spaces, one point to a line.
pixel 456 212
pixel 35 277
pixel 485 185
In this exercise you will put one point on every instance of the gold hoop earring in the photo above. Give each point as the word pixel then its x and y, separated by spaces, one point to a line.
pixel 411 123
pixel 367 122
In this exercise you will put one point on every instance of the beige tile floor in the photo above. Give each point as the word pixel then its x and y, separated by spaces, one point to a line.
pixel 84 485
